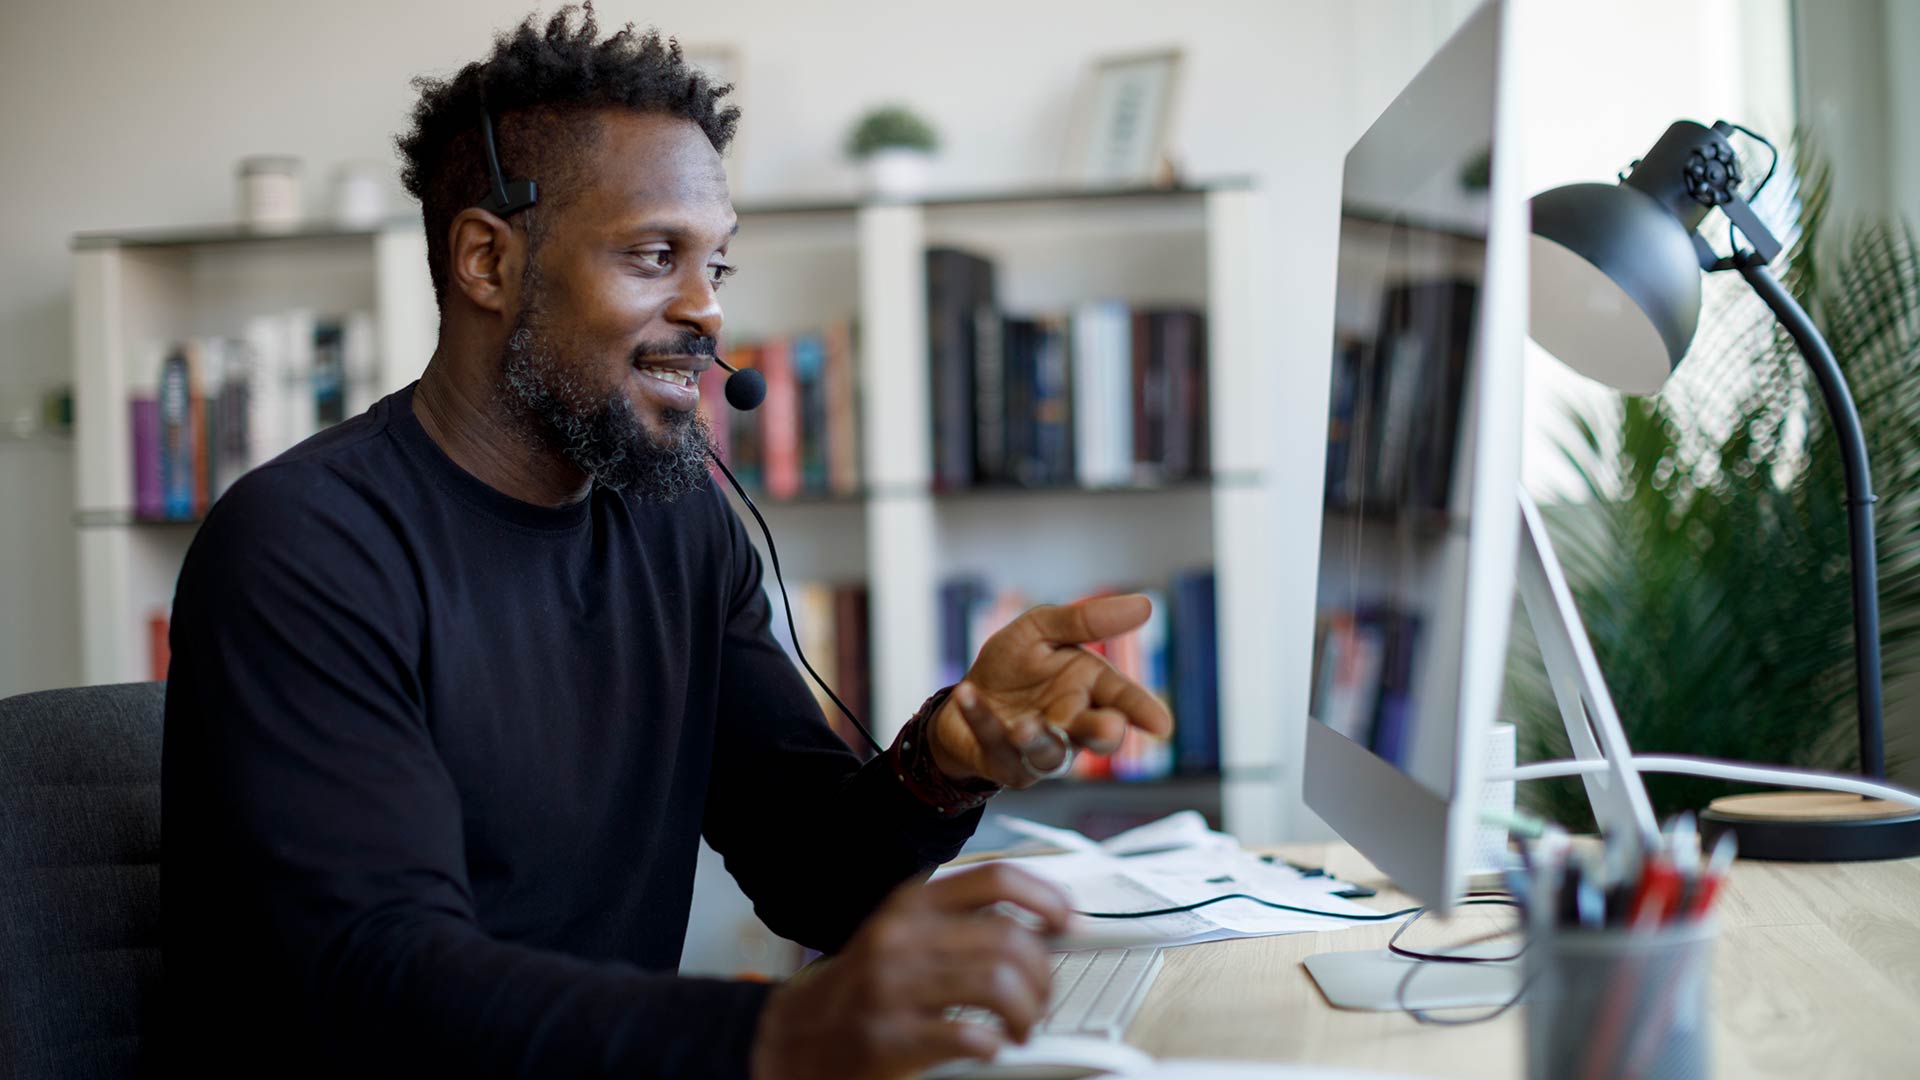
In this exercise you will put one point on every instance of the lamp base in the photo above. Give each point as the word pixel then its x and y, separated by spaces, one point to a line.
pixel 1814 826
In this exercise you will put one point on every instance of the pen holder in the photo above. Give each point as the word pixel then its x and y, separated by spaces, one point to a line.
pixel 1616 1003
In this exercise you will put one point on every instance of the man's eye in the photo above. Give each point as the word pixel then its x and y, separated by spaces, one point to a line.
pixel 654 260
pixel 720 273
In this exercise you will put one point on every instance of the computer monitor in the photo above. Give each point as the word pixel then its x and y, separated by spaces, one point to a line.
pixel 1421 520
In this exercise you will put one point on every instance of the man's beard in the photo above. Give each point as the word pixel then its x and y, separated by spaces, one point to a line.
pixel 599 432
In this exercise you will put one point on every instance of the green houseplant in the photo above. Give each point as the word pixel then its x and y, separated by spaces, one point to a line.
pixel 895 147
pixel 1710 561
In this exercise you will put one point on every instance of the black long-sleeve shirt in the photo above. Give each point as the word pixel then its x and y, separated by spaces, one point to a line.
pixel 437 763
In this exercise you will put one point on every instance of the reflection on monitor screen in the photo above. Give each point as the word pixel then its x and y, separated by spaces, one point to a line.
pixel 1393 548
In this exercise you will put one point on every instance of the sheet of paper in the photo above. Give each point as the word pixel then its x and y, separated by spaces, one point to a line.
pixel 1099 880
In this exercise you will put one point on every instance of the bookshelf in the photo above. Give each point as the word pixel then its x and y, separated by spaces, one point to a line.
pixel 808 264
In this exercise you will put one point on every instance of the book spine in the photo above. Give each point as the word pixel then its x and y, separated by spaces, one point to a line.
pixel 852 674
pixel 843 423
pixel 176 437
pixel 159 647
pixel 748 461
pixel 1196 690
pixel 329 373
pixel 1053 404
pixel 201 456
pixel 1117 389
pixel 810 382
pixel 148 501
pixel 780 421
pixel 990 401
pixel 956 282
pixel 1022 465
pixel 1083 344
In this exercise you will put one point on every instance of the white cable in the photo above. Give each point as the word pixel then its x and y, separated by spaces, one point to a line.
pixel 1717 770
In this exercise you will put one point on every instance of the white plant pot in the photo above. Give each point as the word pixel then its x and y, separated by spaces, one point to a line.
pixel 898 173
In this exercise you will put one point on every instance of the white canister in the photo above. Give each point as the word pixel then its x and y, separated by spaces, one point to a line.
pixel 359 195
pixel 270 193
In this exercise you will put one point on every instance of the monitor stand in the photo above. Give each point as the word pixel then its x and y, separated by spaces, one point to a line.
pixel 1377 980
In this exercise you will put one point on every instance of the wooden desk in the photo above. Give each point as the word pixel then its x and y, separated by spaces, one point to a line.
pixel 1816 974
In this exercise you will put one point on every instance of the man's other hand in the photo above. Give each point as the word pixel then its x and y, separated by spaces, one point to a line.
pixel 876 1010
pixel 1033 679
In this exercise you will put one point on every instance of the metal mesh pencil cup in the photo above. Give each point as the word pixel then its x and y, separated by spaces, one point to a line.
pixel 1616 1003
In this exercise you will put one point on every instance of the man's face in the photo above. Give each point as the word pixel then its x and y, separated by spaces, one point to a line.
pixel 619 313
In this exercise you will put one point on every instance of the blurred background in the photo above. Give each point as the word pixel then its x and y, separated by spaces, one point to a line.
pixel 130 122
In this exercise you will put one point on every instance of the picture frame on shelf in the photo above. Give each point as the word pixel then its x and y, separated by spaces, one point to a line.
pixel 1123 126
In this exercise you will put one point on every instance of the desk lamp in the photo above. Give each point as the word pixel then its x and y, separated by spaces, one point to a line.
pixel 1616 296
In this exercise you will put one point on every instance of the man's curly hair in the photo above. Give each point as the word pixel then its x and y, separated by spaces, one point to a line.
pixel 542 88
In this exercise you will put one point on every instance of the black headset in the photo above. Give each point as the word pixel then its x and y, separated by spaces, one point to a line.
pixel 745 390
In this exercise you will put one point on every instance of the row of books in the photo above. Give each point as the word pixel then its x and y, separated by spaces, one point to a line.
pixel 804 438
pixel 1103 395
pixel 1173 655
pixel 833 623
pixel 1393 419
pixel 217 406
pixel 1363 676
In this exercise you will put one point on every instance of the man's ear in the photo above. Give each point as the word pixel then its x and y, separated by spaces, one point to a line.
pixel 485 259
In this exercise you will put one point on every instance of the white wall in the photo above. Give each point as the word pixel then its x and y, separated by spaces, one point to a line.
pixel 138 119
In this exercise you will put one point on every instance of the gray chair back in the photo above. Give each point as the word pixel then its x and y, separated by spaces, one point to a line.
pixel 79 880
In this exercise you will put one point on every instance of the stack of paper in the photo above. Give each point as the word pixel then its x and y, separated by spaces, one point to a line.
pixel 1173 863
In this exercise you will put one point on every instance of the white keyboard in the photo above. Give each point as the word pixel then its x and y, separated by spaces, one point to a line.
pixel 1095 992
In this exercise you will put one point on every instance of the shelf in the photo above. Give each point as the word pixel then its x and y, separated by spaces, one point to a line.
pixel 120 519
pixel 230 233
pixel 214 235
pixel 813 260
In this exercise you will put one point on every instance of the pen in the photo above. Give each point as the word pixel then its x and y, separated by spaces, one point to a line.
pixel 1658 895
pixel 1717 866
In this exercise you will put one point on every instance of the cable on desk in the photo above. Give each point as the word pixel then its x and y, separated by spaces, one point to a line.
pixel 1472 899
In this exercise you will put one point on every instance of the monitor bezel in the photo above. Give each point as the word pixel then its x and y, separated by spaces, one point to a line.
pixel 1420 840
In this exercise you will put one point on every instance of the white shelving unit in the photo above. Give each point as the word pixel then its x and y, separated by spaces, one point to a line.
pixel 808 265
pixel 133 296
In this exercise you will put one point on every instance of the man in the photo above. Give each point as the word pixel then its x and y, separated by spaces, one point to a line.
pixel 458 685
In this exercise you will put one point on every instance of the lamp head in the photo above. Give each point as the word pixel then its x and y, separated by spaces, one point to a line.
pixel 1615 290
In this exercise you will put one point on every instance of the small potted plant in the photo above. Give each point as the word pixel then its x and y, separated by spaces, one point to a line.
pixel 896 148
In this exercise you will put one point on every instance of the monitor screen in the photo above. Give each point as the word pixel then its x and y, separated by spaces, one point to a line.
pixel 1393 550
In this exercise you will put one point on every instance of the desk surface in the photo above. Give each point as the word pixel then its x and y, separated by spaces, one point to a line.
pixel 1816 973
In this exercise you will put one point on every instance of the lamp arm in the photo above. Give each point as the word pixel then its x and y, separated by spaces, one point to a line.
pixel 1860 500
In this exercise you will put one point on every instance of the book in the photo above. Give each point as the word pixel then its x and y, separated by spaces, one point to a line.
pixel 230 451
pixel 148 499
pixel 852 676
pixel 809 356
pixel 1102 410
pixel 779 421
pixel 990 398
pixel 1347 670
pixel 1052 404
pixel 329 372
pixel 159 646
pixel 960 297
pixel 960 602
pixel 1196 687
pixel 1149 400
pixel 176 437
pixel 1340 419
pixel 747 457
pixel 843 423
